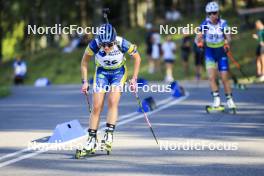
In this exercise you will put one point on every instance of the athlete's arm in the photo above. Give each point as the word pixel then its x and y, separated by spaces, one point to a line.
pixel 131 49
pixel 227 36
pixel 199 41
pixel 89 52
pixel 137 61
pixel 84 71
pixel 84 66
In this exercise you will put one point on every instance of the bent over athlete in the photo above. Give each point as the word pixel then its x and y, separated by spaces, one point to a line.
pixel 109 50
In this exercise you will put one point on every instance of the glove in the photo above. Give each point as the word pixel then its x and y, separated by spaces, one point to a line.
pixel 133 84
pixel 200 44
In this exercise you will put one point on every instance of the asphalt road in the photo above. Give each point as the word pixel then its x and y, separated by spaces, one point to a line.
pixel 191 141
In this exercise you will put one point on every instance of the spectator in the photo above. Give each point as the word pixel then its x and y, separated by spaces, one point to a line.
pixel 20 70
pixel 198 60
pixel 168 50
pixel 173 15
pixel 154 62
pixel 185 52
pixel 260 49
pixel 149 43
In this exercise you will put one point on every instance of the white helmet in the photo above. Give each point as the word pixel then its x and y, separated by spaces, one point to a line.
pixel 212 7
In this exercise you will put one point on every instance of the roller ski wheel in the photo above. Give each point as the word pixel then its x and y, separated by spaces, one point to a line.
pixel 89 149
pixel 83 153
pixel 210 109
pixel 232 110
pixel 106 147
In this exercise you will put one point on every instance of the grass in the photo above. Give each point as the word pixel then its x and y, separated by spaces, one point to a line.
pixel 4 91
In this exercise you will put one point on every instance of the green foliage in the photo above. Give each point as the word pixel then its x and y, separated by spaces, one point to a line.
pixel 4 91
pixel 12 41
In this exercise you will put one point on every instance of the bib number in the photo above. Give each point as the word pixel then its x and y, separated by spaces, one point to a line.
pixel 110 63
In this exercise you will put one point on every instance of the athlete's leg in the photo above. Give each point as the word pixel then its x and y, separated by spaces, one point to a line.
pixel 98 102
pixel 90 147
pixel 225 80
pixel 117 84
pixel 99 89
pixel 113 101
pixel 223 67
pixel 210 61
pixel 212 76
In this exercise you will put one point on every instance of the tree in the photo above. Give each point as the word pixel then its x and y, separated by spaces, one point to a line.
pixel 234 5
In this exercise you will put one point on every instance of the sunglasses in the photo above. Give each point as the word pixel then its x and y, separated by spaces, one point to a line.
pixel 212 13
pixel 107 44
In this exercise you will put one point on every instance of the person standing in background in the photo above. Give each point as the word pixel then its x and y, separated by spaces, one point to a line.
pixel 186 48
pixel 154 62
pixel 260 49
pixel 148 41
pixel 20 70
pixel 198 59
pixel 168 52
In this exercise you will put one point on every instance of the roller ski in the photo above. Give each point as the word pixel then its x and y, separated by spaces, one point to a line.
pixel 107 142
pixel 210 109
pixel 231 107
pixel 89 148
pixel 216 106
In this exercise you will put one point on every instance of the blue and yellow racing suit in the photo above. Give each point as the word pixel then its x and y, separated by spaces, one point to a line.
pixel 214 38
pixel 110 67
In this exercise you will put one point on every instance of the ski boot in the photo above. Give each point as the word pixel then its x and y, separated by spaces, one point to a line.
pixel 216 106
pixel 231 105
pixel 90 148
pixel 107 142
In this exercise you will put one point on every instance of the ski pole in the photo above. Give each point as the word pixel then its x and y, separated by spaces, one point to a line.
pixel 105 12
pixel 146 117
pixel 88 102
pixel 230 56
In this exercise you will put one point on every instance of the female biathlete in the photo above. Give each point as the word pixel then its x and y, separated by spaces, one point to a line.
pixel 213 34
pixel 110 75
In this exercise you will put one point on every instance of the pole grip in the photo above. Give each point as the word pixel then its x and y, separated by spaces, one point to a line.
pixel 106 11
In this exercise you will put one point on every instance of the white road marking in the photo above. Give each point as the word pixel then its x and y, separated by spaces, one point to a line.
pixel 15 153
